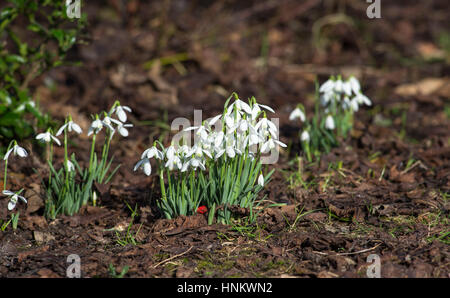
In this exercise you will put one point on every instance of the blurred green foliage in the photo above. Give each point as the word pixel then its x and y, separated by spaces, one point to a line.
pixel 35 36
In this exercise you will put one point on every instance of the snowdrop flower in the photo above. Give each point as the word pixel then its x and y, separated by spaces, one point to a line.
pixel 145 165
pixel 14 198
pixel 170 152
pixel 354 104
pixel 354 83
pixel 338 86
pixel 16 150
pixel 239 105
pixel 95 127
pixel 201 131
pixel 305 136
pixel 362 99
pixel 254 137
pixel 70 126
pixel 329 123
pixel 174 161
pixel 297 113
pixel 70 166
pixel 108 121
pixel 347 88
pixel 327 87
pixel 270 144
pixel 152 152
pixel 218 139
pixel 264 124
pixel 198 151
pixel 183 151
pixel 261 180
pixel 194 163
pixel 120 112
pixel 256 109
pixel 243 125
pixel 47 137
pixel 326 98
pixel 121 128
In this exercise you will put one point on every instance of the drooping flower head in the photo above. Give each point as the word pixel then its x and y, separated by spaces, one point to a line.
pixel 16 150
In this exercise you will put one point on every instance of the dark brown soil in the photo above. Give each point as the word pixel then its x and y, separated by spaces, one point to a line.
pixel 386 192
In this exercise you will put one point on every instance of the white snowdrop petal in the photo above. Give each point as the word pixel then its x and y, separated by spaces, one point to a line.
pixel 147 168
pixel 121 114
pixel 76 128
pixel 329 122
pixel 61 129
pixel 305 136
pixel 123 131
pixel 214 119
pixel 261 180
pixel 56 140
pixel 267 108
pixel 22 152
pixel 11 205
pixel 7 193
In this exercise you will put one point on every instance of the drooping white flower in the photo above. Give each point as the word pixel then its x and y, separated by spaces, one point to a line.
pixel 271 144
pixel 198 151
pixel 173 161
pixel 47 137
pixel 327 86
pixel 14 197
pixel 347 88
pixel 183 150
pixel 256 109
pixel 16 150
pixel 193 163
pixel 261 180
pixel 305 136
pixel 326 98
pixel 201 131
pixel 120 112
pixel 362 99
pixel 95 127
pixel 264 124
pixel 108 121
pixel 338 86
pixel 354 83
pixel 329 122
pixel 297 113
pixel 70 126
pixel 243 125
pixel 145 165
pixel 254 138
pixel 122 129
pixel 354 104
pixel 240 106
pixel 152 152
pixel 70 166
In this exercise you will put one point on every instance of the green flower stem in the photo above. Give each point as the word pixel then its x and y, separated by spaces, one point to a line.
pixel 66 158
pixel 6 165
pixel 91 158
pixel 50 159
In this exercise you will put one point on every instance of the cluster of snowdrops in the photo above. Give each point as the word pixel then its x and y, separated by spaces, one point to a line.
pixel 221 171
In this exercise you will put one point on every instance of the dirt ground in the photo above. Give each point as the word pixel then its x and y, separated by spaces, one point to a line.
pixel 384 191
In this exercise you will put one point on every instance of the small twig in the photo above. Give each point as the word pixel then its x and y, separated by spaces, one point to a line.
pixel 417 163
pixel 173 257
pixel 347 253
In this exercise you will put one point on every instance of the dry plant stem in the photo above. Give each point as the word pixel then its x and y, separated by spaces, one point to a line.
pixel 348 253
pixel 173 257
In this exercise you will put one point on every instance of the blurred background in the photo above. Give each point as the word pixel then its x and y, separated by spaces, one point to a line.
pixel 164 58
